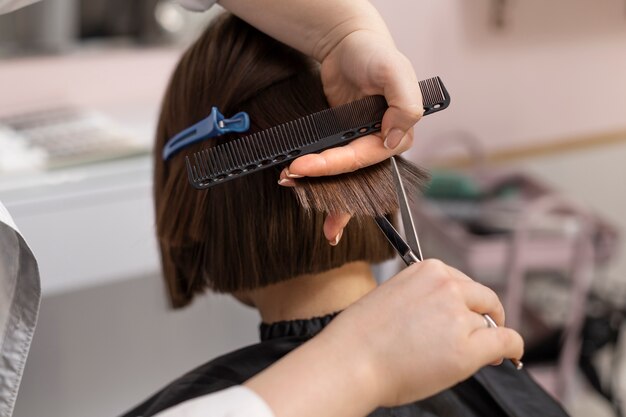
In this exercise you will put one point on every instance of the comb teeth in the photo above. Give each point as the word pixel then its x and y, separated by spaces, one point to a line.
pixel 434 95
pixel 312 133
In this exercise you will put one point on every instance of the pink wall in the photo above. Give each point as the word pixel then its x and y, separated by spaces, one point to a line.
pixel 116 78
pixel 558 69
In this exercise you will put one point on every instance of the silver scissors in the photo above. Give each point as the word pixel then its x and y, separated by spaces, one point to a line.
pixel 411 251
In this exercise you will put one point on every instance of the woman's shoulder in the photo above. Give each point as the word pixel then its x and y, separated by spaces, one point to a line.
pixel 223 372
pixel 500 391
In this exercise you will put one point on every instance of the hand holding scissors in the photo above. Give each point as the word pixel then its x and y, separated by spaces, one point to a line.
pixel 410 251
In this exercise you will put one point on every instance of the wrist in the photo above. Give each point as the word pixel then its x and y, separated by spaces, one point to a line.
pixel 349 349
pixel 314 28
pixel 331 375
pixel 368 20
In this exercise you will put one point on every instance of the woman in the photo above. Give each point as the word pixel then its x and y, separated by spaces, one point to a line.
pixel 264 245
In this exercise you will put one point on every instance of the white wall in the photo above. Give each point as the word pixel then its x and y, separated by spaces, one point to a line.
pixel 557 69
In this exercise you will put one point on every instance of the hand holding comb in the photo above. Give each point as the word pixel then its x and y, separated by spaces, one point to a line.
pixel 309 134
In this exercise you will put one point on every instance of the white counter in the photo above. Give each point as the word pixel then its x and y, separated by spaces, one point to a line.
pixel 88 225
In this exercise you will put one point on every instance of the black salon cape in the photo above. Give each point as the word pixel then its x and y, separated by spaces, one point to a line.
pixel 500 391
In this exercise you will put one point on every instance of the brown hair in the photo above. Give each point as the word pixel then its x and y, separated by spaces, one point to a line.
pixel 251 232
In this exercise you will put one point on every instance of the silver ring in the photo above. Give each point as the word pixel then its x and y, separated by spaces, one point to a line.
pixel 489 322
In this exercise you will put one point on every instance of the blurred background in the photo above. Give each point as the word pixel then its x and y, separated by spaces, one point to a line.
pixel 528 192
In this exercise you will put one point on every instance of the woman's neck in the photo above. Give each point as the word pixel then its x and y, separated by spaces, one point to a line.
pixel 313 295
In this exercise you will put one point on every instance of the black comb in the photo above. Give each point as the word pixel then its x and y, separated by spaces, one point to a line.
pixel 309 134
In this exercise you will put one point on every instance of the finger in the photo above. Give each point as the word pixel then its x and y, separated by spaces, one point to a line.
pixel 491 345
pixel 361 152
pixel 478 321
pixel 497 312
pixel 334 225
pixel 285 173
pixel 455 273
pixel 404 98
pixel 481 322
pixel 287 180
pixel 451 271
pixel 483 300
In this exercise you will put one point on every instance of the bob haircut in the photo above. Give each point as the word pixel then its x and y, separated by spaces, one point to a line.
pixel 251 232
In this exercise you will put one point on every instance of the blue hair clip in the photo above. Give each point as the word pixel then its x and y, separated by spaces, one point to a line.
pixel 213 126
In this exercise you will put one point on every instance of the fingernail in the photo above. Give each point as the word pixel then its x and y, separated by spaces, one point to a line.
pixel 336 239
pixel 290 175
pixel 393 138
pixel 286 182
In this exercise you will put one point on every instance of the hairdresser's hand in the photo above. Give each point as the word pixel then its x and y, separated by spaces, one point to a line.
pixel 363 63
pixel 359 58
pixel 424 331
pixel 417 334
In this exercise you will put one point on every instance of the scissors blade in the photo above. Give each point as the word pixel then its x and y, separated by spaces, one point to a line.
pixel 392 235
pixel 405 211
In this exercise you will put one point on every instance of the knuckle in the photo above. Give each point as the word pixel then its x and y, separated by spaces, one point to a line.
pixel 493 298
pixel 458 320
pixel 434 265
pixel 494 304
pixel 451 289
pixel 386 69
pixel 413 112
pixel 406 143
pixel 356 162
pixel 501 313
pixel 438 271
pixel 452 285
pixel 406 115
